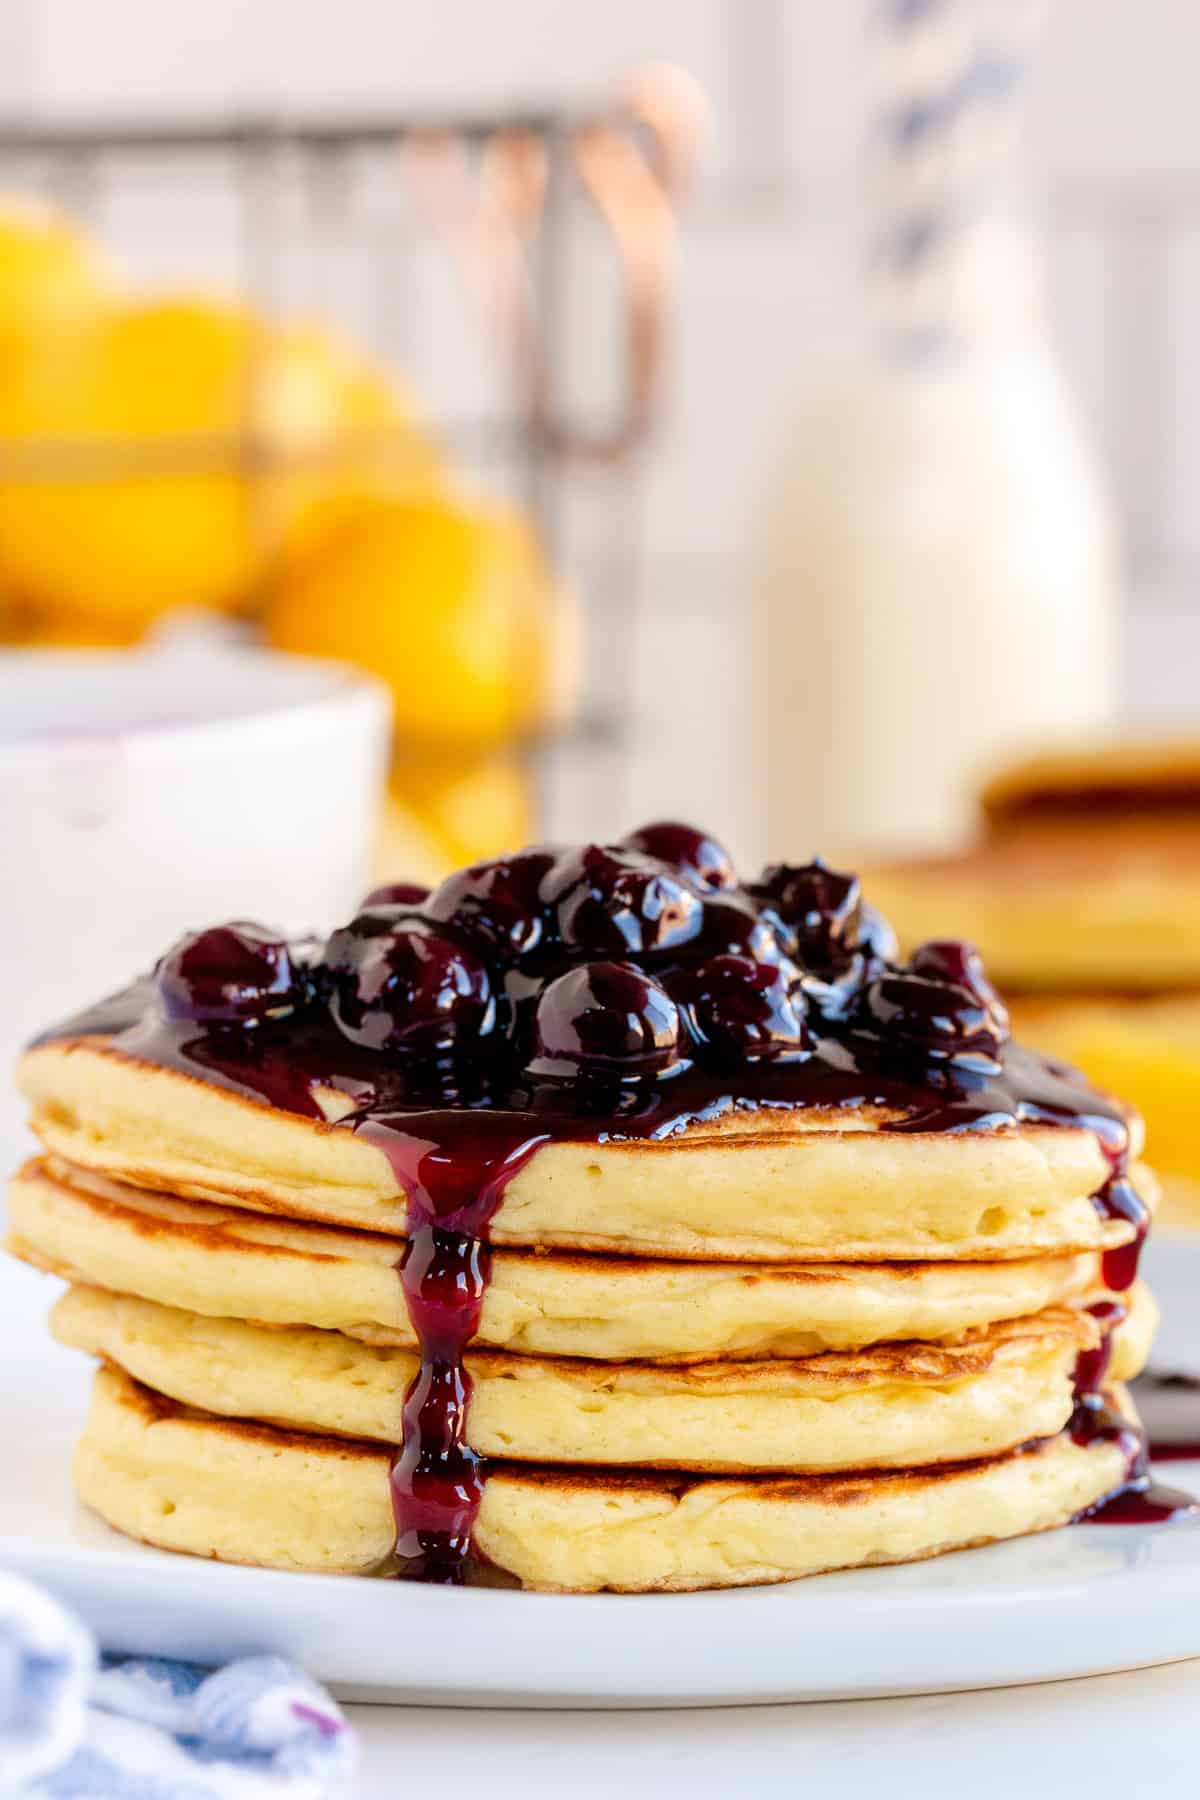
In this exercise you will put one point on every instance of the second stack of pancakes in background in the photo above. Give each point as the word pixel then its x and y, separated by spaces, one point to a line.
pixel 1083 894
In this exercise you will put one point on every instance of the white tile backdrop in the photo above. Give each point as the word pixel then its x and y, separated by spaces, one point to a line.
pixel 769 276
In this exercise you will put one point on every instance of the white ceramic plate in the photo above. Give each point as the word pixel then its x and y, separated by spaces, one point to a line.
pixel 1079 1602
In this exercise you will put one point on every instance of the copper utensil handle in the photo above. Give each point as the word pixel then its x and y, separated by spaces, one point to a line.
pixel 634 164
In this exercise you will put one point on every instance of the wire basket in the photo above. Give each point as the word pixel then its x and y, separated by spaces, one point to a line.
pixel 470 253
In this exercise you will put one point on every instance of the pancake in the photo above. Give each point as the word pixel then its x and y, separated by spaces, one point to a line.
pixel 897 1406
pixel 1077 781
pixel 246 1493
pixel 228 1263
pixel 1087 877
pixel 1108 908
pixel 763 1186
pixel 1147 1048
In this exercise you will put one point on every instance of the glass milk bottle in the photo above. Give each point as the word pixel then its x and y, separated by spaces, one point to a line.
pixel 933 582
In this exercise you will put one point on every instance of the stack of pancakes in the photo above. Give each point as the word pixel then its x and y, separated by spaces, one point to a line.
pixel 772 1344
pixel 1083 893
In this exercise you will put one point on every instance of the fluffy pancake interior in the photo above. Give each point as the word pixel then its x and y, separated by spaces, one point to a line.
pixel 765 1187
pixel 896 1406
pixel 248 1493
pixel 226 1262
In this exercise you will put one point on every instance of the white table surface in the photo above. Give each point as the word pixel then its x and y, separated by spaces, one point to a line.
pixel 1129 1735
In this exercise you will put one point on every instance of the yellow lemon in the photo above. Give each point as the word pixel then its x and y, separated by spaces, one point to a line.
pixel 53 281
pixel 472 808
pixel 197 437
pixel 146 508
pixel 352 432
pixel 407 850
pixel 63 631
pixel 446 600
pixel 1148 1051
pixel 51 273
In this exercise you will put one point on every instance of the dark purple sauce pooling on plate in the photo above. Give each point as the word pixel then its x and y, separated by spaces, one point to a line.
pixel 587 996
pixel 1139 1500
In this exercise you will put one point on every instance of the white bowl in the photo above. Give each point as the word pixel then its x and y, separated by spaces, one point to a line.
pixel 145 793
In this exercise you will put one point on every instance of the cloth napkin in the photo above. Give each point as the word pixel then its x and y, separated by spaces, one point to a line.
pixel 78 1726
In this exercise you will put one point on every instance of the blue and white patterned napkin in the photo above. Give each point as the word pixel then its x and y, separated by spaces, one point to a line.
pixel 74 1726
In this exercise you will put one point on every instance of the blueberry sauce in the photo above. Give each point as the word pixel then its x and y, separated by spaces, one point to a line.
pixel 1144 1502
pixel 1139 1500
pixel 437 1479
pixel 588 995
pixel 1094 1419
pixel 1091 1366
pixel 1119 1199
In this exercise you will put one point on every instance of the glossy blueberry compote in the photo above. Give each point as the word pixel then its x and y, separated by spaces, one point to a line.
pixel 607 1022
pixel 589 993
pixel 230 975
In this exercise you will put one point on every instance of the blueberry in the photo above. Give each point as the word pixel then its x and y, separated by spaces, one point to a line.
pixel 819 906
pixel 236 974
pixel 605 1019
pixel 397 893
pixel 698 857
pixel 950 959
pixel 969 1009
pixel 618 902
pixel 732 925
pixel 834 990
pixel 400 984
pixel 747 1011
pixel 841 942
pixel 929 1009
pixel 497 903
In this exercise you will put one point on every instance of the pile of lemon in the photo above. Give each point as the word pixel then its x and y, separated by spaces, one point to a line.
pixel 159 453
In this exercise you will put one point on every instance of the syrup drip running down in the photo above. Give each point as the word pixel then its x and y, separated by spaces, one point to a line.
pixel 1139 1500
pixel 780 996
pixel 437 1480
pixel 1119 1199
